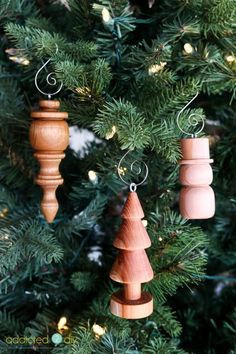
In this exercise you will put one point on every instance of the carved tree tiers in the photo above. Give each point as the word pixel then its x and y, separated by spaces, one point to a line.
pixel 49 136
pixel 123 270
pixel 132 266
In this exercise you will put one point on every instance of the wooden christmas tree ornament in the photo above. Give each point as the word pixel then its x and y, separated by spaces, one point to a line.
pixel 197 200
pixel 132 266
pixel 49 136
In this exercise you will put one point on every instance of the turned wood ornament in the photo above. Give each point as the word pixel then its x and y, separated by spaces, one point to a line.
pixel 197 200
pixel 132 266
pixel 49 136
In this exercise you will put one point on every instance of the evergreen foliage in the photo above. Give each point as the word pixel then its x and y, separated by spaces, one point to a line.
pixel 127 69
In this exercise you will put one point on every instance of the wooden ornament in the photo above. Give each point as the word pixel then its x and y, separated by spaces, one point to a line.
pixel 49 136
pixel 132 266
pixel 197 200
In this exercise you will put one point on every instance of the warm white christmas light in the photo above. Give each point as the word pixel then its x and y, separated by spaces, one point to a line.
pixel 188 48
pixel 122 170
pixel 106 17
pixel 19 60
pixel 156 68
pixel 144 222
pixel 92 176
pixel 110 134
pixel 62 324
pixel 98 330
pixel 230 59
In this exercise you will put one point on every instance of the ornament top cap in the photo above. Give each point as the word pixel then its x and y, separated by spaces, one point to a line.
pixel 55 104
pixel 132 208
pixel 49 110
pixel 195 148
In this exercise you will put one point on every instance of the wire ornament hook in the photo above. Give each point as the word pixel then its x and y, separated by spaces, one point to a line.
pixel 52 81
pixel 192 120
pixel 133 186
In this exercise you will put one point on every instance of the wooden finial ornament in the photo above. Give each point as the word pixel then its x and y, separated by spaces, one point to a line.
pixel 49 136
pixel 132 266
pixel 197 200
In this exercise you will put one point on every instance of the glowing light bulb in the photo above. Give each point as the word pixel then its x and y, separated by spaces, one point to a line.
pixel 188 48
pixel 156 68
pixel 92 176
pixel 230 59
pixel 98 330
pixel 62 324
pixel 106 17
pixel 144 222
pixel 110 134
pixel 19 60
pixel 122 170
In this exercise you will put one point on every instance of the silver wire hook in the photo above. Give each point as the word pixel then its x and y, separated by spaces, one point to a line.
pixel 192 120
pixel 52 81
pixel 132 185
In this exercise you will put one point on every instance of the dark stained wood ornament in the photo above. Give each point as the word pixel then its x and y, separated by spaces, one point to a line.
pixel 132 266
pixel 49 136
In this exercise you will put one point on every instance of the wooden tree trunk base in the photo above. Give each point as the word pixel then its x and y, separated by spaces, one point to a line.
pixel 131 309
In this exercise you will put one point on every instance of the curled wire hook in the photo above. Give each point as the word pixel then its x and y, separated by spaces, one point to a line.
pixel 52 81
pixel 192 120
pixel 132 185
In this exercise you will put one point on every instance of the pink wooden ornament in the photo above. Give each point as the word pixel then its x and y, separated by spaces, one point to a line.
pixel 197 200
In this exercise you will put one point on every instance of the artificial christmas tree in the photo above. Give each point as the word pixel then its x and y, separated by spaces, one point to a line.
pixel 127 69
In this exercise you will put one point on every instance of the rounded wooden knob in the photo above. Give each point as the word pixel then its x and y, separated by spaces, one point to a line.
pixel 49 135
pixel 197 202
pixel 196 175
pixel 195 148
pixel 49 104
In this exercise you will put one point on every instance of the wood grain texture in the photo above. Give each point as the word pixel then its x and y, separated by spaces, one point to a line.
pixel 197 200
pixel 132 291
pixel 132 266
pixel 131 309
pixel 49 136
pixel 195 148
pixel 132 208
pixel 132 236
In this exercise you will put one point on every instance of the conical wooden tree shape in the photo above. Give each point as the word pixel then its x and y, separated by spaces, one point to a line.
pixel 132 236
pixel 132 208
pixel 132 266
pixel 49 136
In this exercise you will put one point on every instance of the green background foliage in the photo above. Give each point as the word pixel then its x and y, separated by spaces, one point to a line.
pixel 124 79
